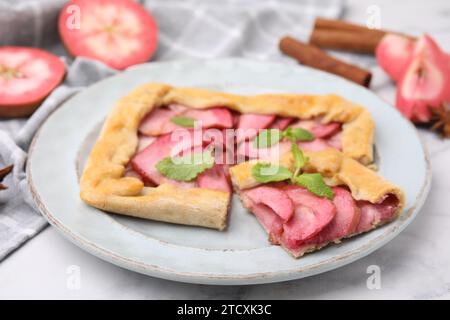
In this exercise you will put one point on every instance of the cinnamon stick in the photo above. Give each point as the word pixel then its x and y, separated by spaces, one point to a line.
pixel 5 171
pixel 332 24
pixel 314 57
pixel 359 42
pixel 346 36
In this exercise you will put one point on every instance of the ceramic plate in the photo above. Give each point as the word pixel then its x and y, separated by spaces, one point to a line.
pixel 241 254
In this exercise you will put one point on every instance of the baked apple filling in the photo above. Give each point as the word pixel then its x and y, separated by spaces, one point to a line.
pixel 176 130
pixel 301 221
pixel 310 135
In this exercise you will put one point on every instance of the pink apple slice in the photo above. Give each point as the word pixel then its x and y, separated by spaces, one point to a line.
pixel 159 121
pixel 166 145
pixel 270 221
pixel 212 117
pixel 375 214
pixel 335 141
pixel 274 198
pixel 318 129
pixel 312 214
pixel 314 146
pixel 144 142
pixel 248 150
pixel 281 123
pixel 250 124
pixel 345 221
pixel 214 179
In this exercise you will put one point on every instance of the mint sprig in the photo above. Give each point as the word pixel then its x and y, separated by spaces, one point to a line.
pixel 185 122
pixel 185 168
pixel 313 182
pixel 268 137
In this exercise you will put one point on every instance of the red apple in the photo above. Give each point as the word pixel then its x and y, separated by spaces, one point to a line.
pixel 27 76
pixel 120 33
pixel 425 83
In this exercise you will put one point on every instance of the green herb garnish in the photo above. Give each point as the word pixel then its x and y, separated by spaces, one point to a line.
pixel 266 172
pixel 313 182
pixel 299 158
pixel 185 168
pixel 298 134
pixel 185 122
pixel 268 137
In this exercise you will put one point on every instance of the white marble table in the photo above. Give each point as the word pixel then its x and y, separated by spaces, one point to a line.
pixel 414 265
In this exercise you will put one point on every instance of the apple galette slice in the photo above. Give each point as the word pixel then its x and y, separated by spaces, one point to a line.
pixel 308 200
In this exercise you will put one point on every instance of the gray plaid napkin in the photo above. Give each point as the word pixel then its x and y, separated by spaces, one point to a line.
pixel 194 29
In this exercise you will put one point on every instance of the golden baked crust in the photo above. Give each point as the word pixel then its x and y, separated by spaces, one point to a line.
pixel 337 169
pixel 104 186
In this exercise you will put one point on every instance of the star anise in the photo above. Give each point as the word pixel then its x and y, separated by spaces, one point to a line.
pixel 441 120
pixel 3 173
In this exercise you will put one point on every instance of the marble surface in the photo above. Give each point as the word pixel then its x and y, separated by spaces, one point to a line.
pixel 414 265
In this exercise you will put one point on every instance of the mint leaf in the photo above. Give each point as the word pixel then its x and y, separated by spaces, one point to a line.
pixel 266 172
pixel 299 159
pixel 298 134
pixel 185 122
pixel 314 183
pixel 267 137
pixel 185 168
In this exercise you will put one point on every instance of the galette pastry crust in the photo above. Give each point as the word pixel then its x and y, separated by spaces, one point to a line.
pixel 104 186
pixel 337 169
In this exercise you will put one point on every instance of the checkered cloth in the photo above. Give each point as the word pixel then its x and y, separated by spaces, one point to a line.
pixel 187 29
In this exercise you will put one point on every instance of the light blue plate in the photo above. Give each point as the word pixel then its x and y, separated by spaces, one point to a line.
pixel 241 254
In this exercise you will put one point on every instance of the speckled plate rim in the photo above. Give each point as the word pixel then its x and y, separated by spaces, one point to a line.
pixel 389 232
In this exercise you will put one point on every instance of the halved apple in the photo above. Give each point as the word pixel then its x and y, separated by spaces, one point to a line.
pixel 425 83
pixel 120 33
pixel 27 76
